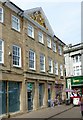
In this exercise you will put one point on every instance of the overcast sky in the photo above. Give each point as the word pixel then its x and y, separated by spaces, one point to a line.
pixel 63 16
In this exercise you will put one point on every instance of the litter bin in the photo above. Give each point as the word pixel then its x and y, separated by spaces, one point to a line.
pixel 67 102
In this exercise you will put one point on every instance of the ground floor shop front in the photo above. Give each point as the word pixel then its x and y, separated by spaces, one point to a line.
pixel 26 95
pixel 75 84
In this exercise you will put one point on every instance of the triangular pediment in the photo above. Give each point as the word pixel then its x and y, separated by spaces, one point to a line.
pixel 38 15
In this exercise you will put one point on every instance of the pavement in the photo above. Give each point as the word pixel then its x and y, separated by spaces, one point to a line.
pixel 46 112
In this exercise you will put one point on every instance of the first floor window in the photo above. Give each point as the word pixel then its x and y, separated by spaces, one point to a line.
pixel 61 70
pixel 16 56
pixel 1 14
pixel 1 51
pixel 50 63
pixel 56 68
pixel 42 63
pixel 32 59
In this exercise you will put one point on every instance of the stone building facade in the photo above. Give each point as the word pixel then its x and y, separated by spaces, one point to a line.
pixel 31 60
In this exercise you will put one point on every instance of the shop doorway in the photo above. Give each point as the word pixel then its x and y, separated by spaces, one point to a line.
pixel 30 95
pixel 41 94
pixel 49 94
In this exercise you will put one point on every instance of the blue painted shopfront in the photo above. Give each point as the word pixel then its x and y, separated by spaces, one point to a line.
pixel 10 96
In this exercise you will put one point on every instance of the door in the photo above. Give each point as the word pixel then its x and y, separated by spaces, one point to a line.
pixel 30 94
pixel 41 94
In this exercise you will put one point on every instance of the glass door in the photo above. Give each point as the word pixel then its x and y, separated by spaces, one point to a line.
pixel 30 94
pixel 41 94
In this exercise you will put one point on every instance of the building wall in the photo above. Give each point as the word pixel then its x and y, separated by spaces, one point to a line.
pixel 23 74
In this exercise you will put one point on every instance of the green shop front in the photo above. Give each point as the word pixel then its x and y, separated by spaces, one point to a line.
pixel 75 83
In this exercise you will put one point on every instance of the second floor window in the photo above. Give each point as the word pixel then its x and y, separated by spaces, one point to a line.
pixel 1 14
pixel 15 23
pixel 49 42
pixel 40 37
pixel 30 31
pixel 60 50
pixel 61 70
pixel 16 56
pixel 42 63
pixel 32 60
pixel 54 46
pixel 1 51
pixel 50 63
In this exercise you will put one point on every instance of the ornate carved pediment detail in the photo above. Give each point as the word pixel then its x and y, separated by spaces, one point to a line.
pixel 37 16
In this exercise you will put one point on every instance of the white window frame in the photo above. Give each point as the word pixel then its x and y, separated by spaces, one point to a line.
pixel 17 56
pixel 54 46
pixel 42 62
pixel 61 70
pixel 60 50
pixel 56 68
pixel 1 15
pixel 49 42
pixel 33 60
pixel 2 51
pixel 30 30
pixel 40 37
pixel 17 22
pixel 50 64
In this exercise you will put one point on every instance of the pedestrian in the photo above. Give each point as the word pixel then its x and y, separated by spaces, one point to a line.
pixel 81 106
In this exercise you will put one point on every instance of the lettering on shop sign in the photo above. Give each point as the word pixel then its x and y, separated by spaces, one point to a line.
pixel 75 81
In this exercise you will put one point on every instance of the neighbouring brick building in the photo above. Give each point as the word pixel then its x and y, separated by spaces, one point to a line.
pixel 31 60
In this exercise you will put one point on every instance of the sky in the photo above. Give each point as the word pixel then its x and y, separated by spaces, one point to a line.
pixel 64 17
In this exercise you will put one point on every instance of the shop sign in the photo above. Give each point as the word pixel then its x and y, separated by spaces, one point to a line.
pixel 77 81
